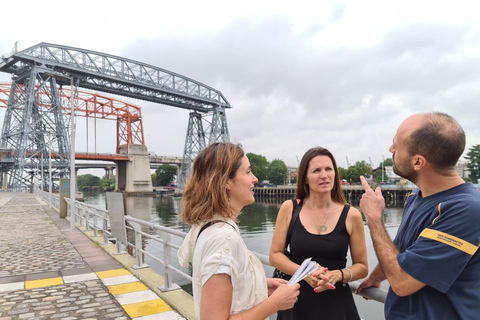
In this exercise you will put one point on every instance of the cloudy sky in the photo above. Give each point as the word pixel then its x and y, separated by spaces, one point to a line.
pixel 337 74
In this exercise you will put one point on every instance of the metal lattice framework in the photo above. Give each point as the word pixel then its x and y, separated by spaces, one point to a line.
pixel 97 106
pixel 52 66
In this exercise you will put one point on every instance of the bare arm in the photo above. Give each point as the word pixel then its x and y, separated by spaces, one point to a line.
pixel 277 256
pixel 373 204
pixel 358 248
pixel 216 300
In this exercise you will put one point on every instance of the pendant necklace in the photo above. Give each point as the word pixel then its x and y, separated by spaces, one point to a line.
pixel 323 228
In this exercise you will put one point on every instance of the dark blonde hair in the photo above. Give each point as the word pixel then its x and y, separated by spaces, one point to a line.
pixel 205 193
pixel 303 190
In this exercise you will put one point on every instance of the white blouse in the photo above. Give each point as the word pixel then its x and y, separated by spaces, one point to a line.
pixel 221 246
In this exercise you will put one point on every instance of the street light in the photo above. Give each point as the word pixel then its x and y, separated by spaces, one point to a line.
pixel 72 157
pixel 50 173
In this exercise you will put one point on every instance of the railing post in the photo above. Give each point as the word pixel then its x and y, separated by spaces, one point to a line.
pixel 105 227
pixel 138 246
pixel 167 253
pixel 87 215
pixel 95 212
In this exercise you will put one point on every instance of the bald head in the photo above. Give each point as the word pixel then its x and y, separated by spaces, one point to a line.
pixel 436 136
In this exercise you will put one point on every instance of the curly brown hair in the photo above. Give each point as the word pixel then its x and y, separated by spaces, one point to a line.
pixel 205 193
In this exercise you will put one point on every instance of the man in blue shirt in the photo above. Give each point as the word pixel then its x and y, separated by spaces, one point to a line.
pixel 433 265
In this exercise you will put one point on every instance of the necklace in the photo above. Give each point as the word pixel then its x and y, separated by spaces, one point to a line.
pixel 323 228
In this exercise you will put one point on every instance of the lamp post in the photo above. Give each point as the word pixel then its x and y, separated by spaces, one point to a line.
pixel 72 156
pixel 50 174
pixel 383 164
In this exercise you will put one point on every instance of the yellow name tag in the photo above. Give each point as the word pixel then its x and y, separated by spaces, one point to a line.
pixel 452 241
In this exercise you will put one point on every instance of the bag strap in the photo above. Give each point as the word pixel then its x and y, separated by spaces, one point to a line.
pixel 297 207
pixel 210 223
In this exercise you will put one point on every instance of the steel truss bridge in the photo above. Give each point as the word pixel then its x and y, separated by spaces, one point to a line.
pixel 45 82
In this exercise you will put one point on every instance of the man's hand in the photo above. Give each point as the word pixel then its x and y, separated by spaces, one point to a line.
pixel 372 202
pixel 368 282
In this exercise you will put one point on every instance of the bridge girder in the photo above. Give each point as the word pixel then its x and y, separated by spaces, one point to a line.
pixel 113 74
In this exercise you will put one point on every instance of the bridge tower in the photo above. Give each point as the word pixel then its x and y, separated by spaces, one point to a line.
pixel 35 129
pixel 195 141
pixel 46 66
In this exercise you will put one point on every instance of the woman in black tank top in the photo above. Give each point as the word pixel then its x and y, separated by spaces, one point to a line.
pixel 325 229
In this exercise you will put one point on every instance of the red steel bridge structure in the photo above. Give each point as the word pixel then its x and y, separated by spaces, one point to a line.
pixel 45 83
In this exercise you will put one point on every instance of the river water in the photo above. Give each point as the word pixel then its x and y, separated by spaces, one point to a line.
pixel 256 224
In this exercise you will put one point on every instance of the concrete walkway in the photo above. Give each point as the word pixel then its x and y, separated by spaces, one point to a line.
pixel 48 271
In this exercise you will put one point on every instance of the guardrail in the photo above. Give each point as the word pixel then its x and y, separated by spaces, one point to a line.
pixel 97 219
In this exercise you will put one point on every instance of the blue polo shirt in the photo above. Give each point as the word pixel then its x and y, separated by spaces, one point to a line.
pixel 438 241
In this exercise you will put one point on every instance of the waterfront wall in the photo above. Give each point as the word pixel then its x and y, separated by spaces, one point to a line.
pixel 394 195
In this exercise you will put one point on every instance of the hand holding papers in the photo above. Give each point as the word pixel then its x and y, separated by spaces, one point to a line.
pixel 306 268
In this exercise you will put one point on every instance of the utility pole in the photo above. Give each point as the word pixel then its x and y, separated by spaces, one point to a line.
pixel 383 165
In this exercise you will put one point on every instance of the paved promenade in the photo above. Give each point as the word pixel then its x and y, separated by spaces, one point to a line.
pixel 48 271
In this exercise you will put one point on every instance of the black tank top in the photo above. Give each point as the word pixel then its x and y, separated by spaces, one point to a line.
pixel 328 250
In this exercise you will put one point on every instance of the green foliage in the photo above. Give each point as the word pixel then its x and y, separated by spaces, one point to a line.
pixel 353 173
pixel 259 166
pixel 87 180
pixel 90 180
pixel 277 172
pixel 473 156
pixel 378 173
pixel 164 175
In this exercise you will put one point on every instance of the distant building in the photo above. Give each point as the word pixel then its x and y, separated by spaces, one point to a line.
pixel 462 169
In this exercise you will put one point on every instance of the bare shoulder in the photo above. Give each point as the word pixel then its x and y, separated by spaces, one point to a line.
pixel 354 214
pixel 286 208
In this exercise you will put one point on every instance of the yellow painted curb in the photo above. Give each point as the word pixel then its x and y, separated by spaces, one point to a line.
pixel 127 288
pixel 113 273
pixel 43 283
pixel 146 308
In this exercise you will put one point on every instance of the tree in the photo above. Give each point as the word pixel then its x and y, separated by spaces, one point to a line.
pixel 87 180
pixel 164 175
pixel 473 157
pixel 277 172
pixel 259 166
pixel 378 172
pixel 353 173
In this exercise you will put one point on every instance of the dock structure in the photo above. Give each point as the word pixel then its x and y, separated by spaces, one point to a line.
pixel 49 271
pixel 394 195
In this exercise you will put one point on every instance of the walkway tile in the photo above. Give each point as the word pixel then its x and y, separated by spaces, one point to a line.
pixel 126 288
pixel 167 315
pixel 113 273
pixel 43 283
pixel 12 286
pixel 136 297
pixel 146 308
pixel 80 277
pixel 119 280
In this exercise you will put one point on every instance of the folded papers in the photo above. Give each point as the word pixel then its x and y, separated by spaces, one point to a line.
pixel 306 268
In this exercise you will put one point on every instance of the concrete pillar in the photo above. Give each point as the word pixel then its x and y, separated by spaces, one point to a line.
pixel 137 176
pixel 64 192
pixel 109 172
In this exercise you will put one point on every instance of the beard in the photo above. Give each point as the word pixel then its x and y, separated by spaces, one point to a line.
pixel 404 170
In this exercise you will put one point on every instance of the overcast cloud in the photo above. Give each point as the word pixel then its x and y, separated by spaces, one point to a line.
pixel 342 75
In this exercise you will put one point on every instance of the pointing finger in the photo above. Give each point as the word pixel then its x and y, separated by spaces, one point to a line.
pixel 365 184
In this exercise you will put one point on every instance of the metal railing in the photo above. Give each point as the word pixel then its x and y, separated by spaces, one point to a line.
pixel 97 219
